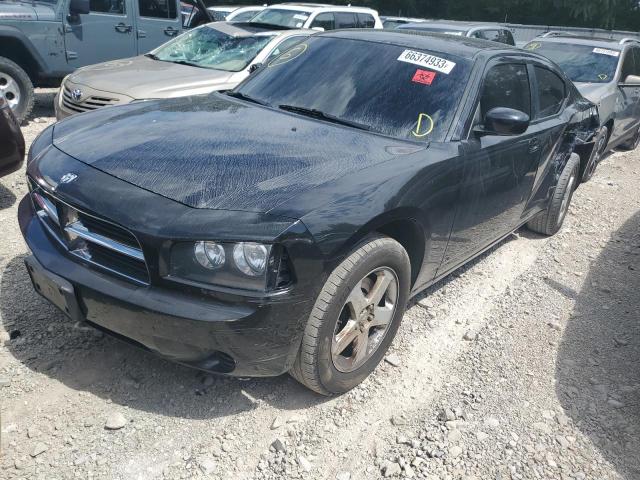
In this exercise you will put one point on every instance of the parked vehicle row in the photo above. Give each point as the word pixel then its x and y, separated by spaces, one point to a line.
pixel 283 225
pixel 281 222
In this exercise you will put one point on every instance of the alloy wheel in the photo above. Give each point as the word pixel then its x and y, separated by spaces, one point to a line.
pixel 364 319
pixel 10 89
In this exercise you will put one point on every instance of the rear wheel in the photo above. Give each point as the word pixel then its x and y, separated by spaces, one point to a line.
pixel 355 317
pixel 17 88
pixel 551 220
pixel 632 143
pixel 599 148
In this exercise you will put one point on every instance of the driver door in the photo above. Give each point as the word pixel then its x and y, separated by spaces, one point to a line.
pixel 498 170
pixel 105 33
pixel 627 103
pixel 157 22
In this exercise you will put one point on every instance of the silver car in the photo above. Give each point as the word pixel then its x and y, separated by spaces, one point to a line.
pixel 606 72
pixel 214 57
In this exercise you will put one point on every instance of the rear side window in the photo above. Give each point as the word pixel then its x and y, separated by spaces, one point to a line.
pixel 366 20
pixel 114 7
pixel 506 86
pixel 345 20
pixel 324 20
pixel 157 8
pixel 500 36
pixel 551 92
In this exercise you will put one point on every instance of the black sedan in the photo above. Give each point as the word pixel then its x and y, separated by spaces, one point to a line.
pixel 283 227
pixel 12 146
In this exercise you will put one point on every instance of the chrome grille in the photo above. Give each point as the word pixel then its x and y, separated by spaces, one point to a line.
pixel 94 240
pixel 89 103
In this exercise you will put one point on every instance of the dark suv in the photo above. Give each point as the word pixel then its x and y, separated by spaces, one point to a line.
pixel 607 72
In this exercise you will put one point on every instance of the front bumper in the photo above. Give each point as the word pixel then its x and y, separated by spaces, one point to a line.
pixel 257 337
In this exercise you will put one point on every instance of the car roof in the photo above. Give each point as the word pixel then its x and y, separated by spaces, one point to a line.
pixel 318 7
pixel 460 46
pixel 454 26
pixel 247 29
pixel 610 43
pixel 403 19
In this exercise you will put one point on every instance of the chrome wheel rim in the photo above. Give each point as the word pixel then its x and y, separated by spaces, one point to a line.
pixel 364 319
pixel 564 208
pixel 10 89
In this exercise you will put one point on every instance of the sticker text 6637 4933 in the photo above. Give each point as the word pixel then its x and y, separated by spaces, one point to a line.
pixel 426 60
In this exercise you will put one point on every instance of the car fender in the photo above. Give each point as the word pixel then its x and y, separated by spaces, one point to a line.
pixel 8 31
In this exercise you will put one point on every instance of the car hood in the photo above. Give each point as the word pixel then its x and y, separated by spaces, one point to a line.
pixel 17 11
pixel 142 77
pixel 217 152
pixel 594 92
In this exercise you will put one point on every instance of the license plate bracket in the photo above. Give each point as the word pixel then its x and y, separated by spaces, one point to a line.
pixel 54 288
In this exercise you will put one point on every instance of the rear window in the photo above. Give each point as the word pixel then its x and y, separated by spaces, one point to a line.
pixel 405 93
pixel 366 20
pixel 581 63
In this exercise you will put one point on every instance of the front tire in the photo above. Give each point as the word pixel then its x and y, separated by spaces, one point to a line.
pixel 632 143
pixel 355 317
pixel 599 148
pixel 17 88
pixel 551 220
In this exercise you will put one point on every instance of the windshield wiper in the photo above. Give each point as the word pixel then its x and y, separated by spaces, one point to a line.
pixel 184 62
pixel 244 96
pixel 151 56
pixel 312 112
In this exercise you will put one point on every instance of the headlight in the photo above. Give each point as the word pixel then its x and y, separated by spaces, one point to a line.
pixel 243 265
pixel 251 258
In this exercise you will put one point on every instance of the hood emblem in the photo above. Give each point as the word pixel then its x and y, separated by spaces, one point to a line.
pixel 68 178
pixel 76 94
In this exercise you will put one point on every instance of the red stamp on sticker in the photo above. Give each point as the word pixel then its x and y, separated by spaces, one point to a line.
pixel 423 76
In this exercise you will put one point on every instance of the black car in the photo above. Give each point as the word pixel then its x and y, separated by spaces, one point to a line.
pixel 283 227
pixel 12 146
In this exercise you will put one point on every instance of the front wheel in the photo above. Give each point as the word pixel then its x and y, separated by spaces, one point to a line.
pixel 599 148
pixel 550 221
pixel 17 88
pixel 355 317
pixel 632 143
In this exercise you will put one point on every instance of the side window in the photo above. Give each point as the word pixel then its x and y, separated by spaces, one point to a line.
pixel 506 86
pixel 366 20
pixel 508 37
pixel 493 35
pixel 551 92
pixel 114 7
pixel 157 8
pixel 345 20
pixel 284 46
pixel 244 16
pixel 636 56
pixel 324 20
pixel 628 65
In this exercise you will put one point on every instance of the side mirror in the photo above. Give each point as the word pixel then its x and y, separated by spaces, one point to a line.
pixel 78 7
pixel 255 67
pixel 504 121
pixel 631 81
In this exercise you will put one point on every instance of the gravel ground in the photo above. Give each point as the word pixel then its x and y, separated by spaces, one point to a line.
pixel 524 365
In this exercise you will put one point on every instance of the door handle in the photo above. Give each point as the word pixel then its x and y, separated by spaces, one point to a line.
pixel 122 28
pixel 534 145
pixel 171 32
